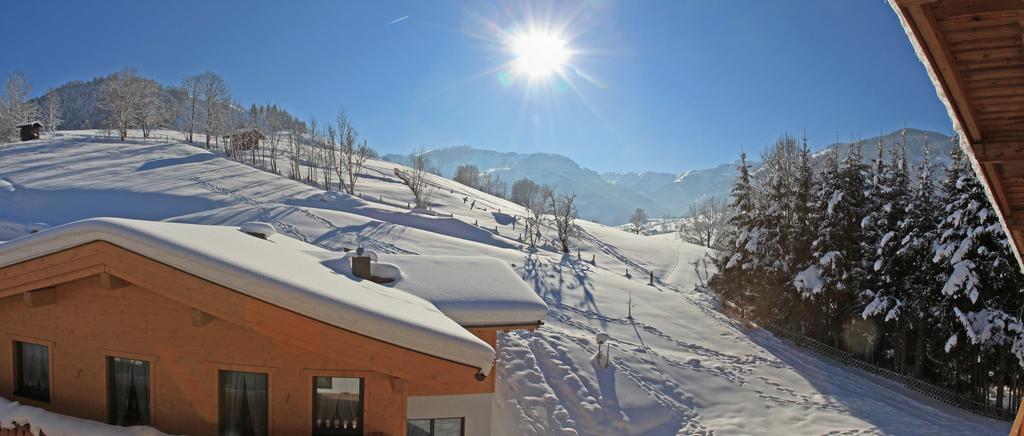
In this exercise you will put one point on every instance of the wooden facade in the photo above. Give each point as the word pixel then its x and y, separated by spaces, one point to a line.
pixel 244 140
pixel 98 300
pixel 29 131
pixel 974 52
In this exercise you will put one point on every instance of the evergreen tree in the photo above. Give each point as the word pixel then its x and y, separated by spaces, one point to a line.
pixel 981 297
pixel 889 282
pixel 736 264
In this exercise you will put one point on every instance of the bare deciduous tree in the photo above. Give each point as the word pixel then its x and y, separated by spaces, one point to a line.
pixel 190 86
pixel 152 109
pixel 352 156
pixel 706 223
pixel 15 108
pixel 563 213
pixel 52 110
pixel 638 220
pixel 468 175
pixel 415 178
pixel 121 97
pixel 215 98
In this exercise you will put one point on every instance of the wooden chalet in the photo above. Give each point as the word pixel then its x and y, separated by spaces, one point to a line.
pixel 974 52
pixel 244 140
pixel 29 131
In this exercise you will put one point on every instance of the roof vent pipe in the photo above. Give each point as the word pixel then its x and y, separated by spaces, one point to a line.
pixel 258 229
pixel 361 266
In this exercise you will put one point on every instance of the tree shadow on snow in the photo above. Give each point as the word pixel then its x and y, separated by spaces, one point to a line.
pixel 440 225
pixel 172 161
pixel 887 405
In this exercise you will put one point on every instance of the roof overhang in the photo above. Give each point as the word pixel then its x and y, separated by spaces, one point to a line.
pixel 974 53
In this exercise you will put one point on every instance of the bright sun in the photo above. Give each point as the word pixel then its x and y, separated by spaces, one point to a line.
pixel 538 55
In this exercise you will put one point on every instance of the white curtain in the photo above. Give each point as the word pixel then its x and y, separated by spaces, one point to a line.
pixel 122 388
pixel 256 396
pixel 34 367
pixel 248 390
pixel 140 381
pixel 234 386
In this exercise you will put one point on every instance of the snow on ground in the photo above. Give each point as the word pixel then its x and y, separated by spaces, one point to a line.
pixel 677 367
pixel 59 425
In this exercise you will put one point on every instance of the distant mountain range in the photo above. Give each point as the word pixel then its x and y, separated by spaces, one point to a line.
pixel 612 197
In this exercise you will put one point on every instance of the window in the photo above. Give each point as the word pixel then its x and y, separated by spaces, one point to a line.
pixel 128 391
pixel 337 406
pixel 243 403
pixel 32 371
pixel 436 427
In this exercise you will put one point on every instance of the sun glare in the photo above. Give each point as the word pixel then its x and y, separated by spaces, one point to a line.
pixel 538 55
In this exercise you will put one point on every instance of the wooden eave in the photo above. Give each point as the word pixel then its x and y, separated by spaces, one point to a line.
pixel 974 51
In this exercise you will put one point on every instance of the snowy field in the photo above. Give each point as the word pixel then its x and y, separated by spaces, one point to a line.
pixel 678 367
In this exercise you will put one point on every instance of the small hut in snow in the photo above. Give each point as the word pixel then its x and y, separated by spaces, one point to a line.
pixel 30 131
pixel 244 140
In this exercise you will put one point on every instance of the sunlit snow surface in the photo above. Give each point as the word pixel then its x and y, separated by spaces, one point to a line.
pixel 678 368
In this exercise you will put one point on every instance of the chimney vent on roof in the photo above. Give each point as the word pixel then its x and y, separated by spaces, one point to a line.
pixel 258 229
pixel 361 267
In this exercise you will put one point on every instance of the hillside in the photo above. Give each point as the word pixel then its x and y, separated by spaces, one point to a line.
pixel 677 365
pixel 612 197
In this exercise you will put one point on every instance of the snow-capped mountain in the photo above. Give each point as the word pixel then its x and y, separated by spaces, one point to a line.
pixel 596 198
pixel 612 197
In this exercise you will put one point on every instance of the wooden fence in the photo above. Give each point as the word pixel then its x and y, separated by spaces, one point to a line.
pixel 937 392
pixel 19 430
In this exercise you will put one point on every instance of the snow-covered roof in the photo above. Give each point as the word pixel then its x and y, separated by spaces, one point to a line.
pixel 470 290
pixel 30 123
pixel 279 270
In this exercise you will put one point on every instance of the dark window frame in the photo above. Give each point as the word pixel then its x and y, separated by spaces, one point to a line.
pixel 19 390
pixel 362 408
pixel 433 421
pixel 110 390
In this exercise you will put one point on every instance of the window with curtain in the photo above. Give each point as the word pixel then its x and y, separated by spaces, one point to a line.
pixel 128 391
pixel 32 371
pixel 243 403
pixel 337 406
pixel 436 427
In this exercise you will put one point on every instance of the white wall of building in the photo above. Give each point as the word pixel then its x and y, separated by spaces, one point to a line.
pixel 475 408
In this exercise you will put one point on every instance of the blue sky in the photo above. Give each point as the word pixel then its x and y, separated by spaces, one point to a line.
pixel 651 85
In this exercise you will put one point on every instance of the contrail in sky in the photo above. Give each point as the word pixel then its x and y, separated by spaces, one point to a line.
pixel 397 20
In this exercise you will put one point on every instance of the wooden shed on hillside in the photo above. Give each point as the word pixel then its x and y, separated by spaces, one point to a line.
pixel 30 131
pixel 244 140
pixel 974 52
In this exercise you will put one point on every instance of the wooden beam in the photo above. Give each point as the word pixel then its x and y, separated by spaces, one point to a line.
pixel 991 174
pixel 1015 221
pixel 958 8
pixel 110 281
pixel 397 385
pixel 40 297
pixel 200 318
pixel 1003 152
pixel 927 30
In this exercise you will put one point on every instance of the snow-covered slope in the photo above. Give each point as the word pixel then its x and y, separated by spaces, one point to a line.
pixel 677 366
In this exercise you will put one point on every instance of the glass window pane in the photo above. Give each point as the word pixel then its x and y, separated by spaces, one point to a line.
pixel 128 391
pixel 243 403
pixel 418 427
pixel 32 367
pixel 448 427
pixel 337 406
